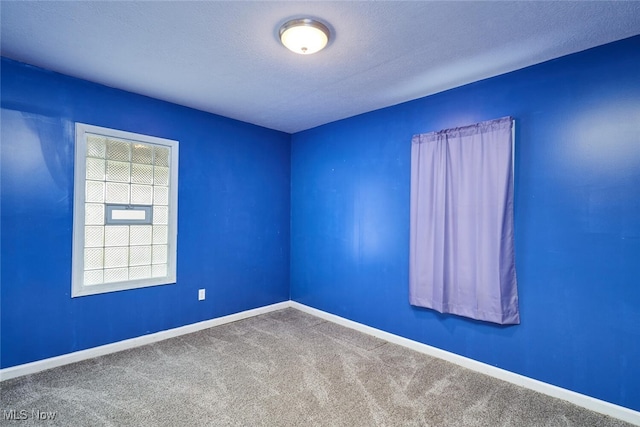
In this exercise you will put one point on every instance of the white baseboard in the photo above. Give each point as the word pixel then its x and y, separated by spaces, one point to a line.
pixel 588 402
pixel 77 356
pixel 593 404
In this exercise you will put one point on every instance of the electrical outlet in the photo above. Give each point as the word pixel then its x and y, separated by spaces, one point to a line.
pixel 201 294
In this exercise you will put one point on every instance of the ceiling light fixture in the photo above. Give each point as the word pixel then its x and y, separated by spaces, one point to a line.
pixel 304 36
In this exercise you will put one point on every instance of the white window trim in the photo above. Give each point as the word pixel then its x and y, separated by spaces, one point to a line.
pixel 78 287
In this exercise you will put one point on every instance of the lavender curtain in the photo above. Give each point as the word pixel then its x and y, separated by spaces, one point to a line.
pixel 462 250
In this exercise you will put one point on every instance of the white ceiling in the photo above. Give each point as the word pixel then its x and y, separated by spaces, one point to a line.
pixel 225 57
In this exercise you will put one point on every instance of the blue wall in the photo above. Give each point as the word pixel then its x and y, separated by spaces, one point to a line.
pixel 577 220
pixel 233 221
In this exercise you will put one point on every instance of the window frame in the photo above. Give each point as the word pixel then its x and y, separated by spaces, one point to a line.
pixel 78 288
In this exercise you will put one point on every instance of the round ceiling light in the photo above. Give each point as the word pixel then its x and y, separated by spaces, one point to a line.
pixel 304 36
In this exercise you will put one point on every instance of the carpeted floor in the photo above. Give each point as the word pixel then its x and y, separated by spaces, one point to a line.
pixel 285 368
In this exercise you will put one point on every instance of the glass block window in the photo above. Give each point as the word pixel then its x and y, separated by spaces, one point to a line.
pixel 125 210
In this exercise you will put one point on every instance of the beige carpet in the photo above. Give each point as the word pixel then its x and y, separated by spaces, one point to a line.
pixel 285 368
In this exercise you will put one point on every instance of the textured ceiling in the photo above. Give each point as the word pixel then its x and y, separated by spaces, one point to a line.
pixel 225 57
